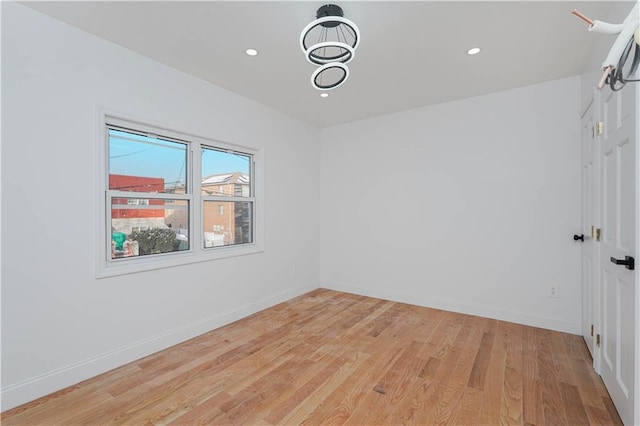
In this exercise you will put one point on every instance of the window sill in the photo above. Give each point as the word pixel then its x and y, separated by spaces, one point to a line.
pixel 169 260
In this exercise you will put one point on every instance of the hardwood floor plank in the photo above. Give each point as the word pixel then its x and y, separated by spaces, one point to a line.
pixel 481 363
pixel 560 358
pixel 494 381
pixel 336 358
pixel 442 394
pixel 468 343
pixel 369 307
pixel 470 406
pixel 286 406
pixel 439 334
pixel 532 412
pixel 598 416
pixel 441 325
pixel 362 383
pixel 449 336
pixel 394 381
pixel 512 406
pixel 553 409
pixel 303 410
pixel 203 413
pixel 342 402
pixel 280 380
pixel 576 414
pixel 202 381
pixel 586 383
pixel 42 409
pixel 356 381
pixel 101 410
pixel 394 384
pixel 64 409
pixel 576 347
pixel 611 409
pixel 255 396
pixel 428 396
pixel 428 371
pixel 373 394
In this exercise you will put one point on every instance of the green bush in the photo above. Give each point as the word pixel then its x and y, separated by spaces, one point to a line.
pixel 156 240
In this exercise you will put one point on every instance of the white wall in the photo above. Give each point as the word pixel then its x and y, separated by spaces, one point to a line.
pixel 467 206
pixel 61 325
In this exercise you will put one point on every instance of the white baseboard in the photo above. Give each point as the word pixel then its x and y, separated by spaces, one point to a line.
pixel 525 318
pixel 52 381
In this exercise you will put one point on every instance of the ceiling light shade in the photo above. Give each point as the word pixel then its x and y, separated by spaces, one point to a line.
pixel 329 42
pixel 329 51
pixel 329 76
pixel 333 30
pixel 473 51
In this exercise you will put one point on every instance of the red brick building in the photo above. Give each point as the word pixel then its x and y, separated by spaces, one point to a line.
pixel 132 218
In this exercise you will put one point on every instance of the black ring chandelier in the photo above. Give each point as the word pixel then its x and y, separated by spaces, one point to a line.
pixel 330 42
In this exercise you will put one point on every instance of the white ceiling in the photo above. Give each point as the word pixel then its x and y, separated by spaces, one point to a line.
pixel 411 53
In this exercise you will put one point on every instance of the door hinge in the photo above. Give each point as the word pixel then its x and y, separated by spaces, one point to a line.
pixel 597 234
pixel 592 230
pixel 598 340
pixel 591 330
pixel 599 128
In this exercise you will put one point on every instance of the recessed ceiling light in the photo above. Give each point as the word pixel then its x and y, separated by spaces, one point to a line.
pixel 473 51
pixel 324 95
pixel 251 52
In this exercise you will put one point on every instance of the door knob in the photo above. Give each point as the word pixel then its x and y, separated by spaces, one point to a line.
pixel 577 237
pixel 628 262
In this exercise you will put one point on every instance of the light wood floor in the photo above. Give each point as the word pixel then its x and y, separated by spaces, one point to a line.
pixel 330 357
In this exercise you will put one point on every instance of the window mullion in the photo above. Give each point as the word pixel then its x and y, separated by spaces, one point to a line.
pixel 195 177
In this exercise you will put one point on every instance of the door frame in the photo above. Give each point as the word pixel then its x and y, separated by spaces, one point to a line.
pixel 636 410
pixel 593 107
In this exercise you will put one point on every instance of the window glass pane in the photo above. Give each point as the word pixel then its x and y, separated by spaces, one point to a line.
pixel 235 226
pixel 148 226
pixel 145 164
pixel 225 173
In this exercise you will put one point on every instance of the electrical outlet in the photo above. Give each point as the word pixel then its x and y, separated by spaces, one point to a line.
pixel 554 290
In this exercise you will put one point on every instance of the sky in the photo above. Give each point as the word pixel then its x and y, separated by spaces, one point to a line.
pixel 137 155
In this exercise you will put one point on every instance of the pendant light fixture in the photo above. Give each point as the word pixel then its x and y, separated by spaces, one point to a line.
pixel 330 42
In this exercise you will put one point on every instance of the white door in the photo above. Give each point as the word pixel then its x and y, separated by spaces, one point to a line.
pixel 589 193
pixel 617 214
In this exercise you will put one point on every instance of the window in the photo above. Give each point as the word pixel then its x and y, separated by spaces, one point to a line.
pixel 225 170
pixel 155 168
pixel 173 198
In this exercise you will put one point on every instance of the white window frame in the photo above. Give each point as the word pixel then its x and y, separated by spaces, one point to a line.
pixel 107 267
